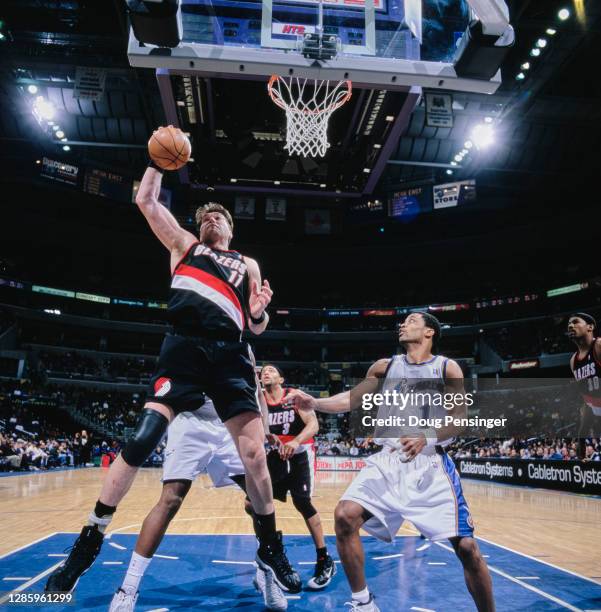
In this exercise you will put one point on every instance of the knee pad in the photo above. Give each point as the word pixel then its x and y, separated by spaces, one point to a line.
pixel 149 431
pixel 304 506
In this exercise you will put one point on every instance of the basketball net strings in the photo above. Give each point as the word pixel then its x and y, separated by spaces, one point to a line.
pixel 307 117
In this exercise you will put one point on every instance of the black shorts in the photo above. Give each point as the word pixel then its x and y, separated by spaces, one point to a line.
pixel 293 475
pixel 189 367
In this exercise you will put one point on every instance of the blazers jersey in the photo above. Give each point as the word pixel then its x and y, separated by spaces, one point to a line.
pixel 209 293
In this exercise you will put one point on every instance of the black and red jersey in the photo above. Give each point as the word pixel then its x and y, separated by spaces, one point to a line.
pixel 588 372
pixel 209 293
pixel 285 423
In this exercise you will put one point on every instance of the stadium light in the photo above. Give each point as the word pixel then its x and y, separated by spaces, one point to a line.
pixel 525 66
pixel 449 172
pixel 464 152
pixel 458 157
pixel 541 43
pixel 521 76
pixel 66 148
pixel 44 109
pixel 453 163
pixel 322 185
pixel 468 144
pixel 551 31
pixel 535 52
pixel 32 89
pixel 60 134
pixel 564 14
pixel 483 135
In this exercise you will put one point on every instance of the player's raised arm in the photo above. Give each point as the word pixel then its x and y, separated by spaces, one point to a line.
pixel 259 299
pixel 164 225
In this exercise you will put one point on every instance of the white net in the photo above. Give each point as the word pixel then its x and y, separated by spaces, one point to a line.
pixel 308 105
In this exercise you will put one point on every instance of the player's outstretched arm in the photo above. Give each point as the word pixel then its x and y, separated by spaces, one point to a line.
pixel 164 225
pixel 259 299
pixel 347 400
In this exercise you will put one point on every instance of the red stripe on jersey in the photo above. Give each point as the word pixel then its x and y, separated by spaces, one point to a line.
pixel 212 281
pixel 285 439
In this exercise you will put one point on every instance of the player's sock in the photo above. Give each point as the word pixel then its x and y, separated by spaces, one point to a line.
pixel 101 516
pixel 361 596
pixel 322 553
pixel 135 571
pixel 265 527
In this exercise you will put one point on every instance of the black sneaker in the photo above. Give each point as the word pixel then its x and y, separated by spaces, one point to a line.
pixel 325 568
pixel 85 550
pixel 272 558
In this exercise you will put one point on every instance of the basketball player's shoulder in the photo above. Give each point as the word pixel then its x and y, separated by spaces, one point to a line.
pixel 251 265
pixel 597 349
pixel 451 369
pixel 378 368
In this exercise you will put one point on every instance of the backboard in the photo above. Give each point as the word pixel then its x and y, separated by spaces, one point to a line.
pixel 378 43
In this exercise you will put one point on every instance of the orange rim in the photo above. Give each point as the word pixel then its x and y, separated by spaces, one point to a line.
pixel 278 102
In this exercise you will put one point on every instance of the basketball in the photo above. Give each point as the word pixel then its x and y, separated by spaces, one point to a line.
pixel 169 148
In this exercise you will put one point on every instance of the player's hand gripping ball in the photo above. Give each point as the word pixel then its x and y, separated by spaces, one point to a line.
pixel 169 148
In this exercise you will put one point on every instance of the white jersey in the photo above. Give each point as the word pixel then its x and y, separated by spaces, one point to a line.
pixel 198 441
pixel 426 490
pixel 424 384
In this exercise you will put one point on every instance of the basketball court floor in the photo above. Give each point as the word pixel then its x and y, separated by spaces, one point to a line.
pixel 542 548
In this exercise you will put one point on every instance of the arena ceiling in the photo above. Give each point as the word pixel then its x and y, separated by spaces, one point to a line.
pixel 546 124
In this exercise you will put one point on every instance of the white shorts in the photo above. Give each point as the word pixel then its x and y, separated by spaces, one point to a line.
pixel 197 443
pixel 426 491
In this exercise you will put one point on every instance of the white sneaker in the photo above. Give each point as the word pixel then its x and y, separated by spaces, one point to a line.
pixel 273 596
pixel 123 602
pixel 370 606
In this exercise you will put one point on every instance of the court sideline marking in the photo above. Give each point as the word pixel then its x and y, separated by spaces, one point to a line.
pixel 557 567
pixel 544 594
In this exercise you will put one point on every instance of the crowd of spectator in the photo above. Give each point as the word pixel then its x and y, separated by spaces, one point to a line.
pixel 333 445
pixel 560 449
pixel 32 436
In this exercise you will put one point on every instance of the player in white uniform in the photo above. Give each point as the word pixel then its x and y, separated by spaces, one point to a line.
pixel 196 442
pixel 412 477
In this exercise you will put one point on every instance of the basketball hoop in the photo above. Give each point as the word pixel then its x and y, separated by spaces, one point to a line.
pixel 308 106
